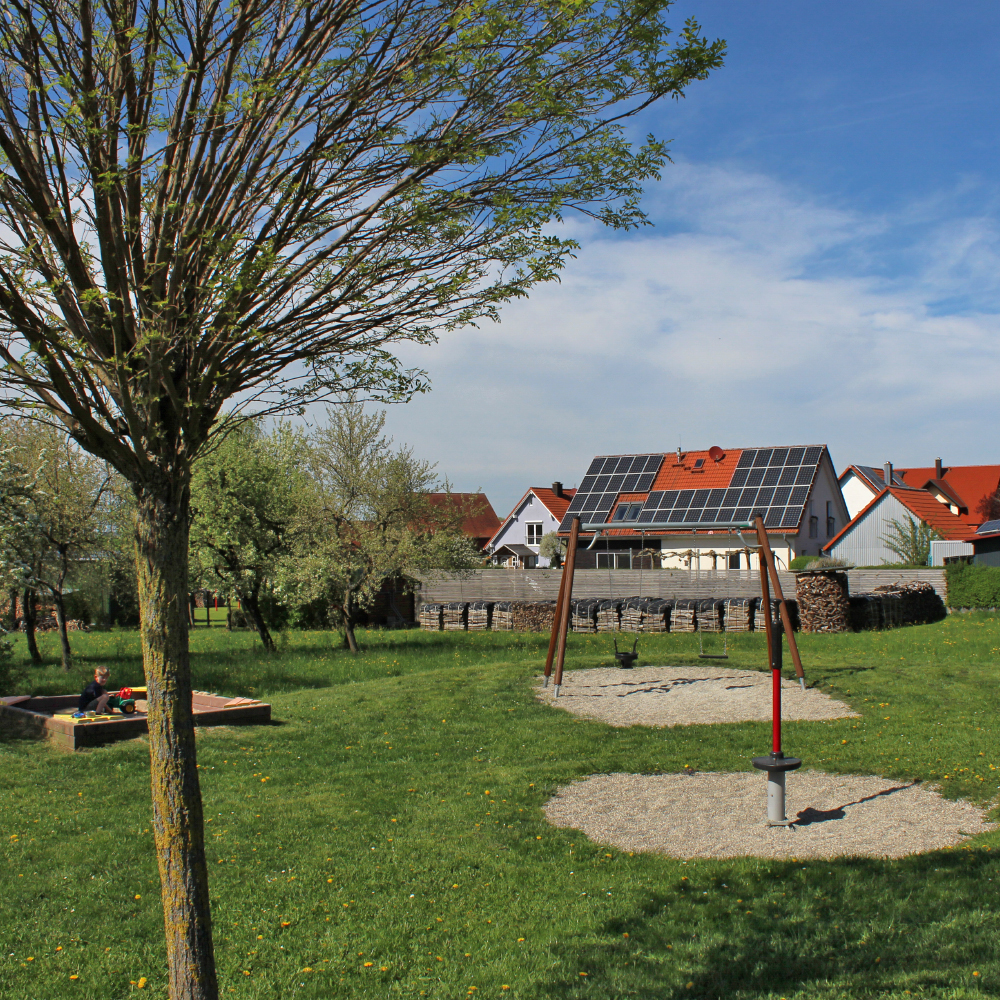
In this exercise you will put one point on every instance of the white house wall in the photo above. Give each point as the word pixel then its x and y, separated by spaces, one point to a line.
pixel 857 494
pixel 515 531
pixel 863 544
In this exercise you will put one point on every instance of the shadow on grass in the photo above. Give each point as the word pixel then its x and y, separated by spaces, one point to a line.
pixel 864 926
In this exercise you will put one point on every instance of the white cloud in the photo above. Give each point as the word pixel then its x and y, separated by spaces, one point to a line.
pixel 749 315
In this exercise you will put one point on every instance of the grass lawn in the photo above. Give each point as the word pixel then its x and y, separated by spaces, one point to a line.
pixel 384 837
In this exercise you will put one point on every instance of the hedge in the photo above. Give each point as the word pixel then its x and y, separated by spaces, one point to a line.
pixel 973 586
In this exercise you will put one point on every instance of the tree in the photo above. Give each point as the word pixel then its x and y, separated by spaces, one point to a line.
pixel 372 518
pixel 911 540
pixel 245 497
pixel 61 515
pixel 552 548
pixel 989 507
pixel 253 202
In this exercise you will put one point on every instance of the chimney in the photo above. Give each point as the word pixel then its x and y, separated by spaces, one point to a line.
pixel 938 471
pixel 557 489
pixel 679 457
pixel 887 473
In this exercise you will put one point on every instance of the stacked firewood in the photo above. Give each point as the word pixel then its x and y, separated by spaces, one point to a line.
pixel 430 617
pixel 454 616
pixel 583 614
pixel 684 616
pixel 917 603
pixel 480 614
pixel 656 616
pixel 608 615
pixel 632 612
pixel 822 599
pixel 532 616
pixel 739 614
pixel 865 612
pixel 709 615
pixel 503 616
pixel 50 623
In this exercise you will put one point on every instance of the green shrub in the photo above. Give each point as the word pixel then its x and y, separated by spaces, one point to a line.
pixel 973 586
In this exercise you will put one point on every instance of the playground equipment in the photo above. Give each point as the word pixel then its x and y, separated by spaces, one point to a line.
pixel 776 765
pixel 626 660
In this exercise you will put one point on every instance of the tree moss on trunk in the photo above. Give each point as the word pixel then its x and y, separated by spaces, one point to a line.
pixel 178 823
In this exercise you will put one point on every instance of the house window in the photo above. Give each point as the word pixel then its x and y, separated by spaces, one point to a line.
pixel 831 521
pixel 814 527
pixel 534 532
pixel 734 560
pixel 614 560
pixel 627 512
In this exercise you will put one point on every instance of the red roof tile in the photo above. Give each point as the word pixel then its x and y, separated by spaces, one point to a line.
pixel 683 475
pixel 970 482
pixel 480 521
pixel 556 505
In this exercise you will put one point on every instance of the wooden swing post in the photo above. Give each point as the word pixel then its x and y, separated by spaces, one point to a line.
pixel 562 619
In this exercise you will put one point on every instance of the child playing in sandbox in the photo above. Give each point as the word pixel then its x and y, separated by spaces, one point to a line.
pixel 94 697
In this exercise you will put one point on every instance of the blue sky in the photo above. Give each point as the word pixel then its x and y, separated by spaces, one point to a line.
pixel 824 266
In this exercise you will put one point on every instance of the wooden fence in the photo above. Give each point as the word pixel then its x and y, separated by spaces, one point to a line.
pixel 543 584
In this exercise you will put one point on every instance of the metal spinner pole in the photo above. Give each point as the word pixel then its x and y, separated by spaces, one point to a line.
pixel 777 764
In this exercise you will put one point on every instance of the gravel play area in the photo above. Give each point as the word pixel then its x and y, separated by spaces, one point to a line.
pixel 684 696
pixel 718 815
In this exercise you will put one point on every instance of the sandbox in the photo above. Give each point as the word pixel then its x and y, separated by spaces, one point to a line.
pixel 52 717
pixel 684 696
pixel 721 815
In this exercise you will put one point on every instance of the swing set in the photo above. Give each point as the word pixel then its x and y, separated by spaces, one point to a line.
pixel 776 764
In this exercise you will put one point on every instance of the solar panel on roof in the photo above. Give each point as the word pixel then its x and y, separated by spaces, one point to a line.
pixel 812 456
pixel 668 500
pixel 763 457
pixel 746 459
pixel 732 498
pixel 645 481
pixel 799 495
pixel 778 456
pixel 764 498
pixel 653 500
pixel 600 484
pixel 805 475
pixel 684 498
pixel 624 464
pixel 647 515
pixel 742 514
pixel 791 517
pixel 748 496
pixel 771 476
pixel 587 485
pixel 988 528
pixel 678 514
pixel 700 498
pixel 631 484
pixel 755 477
pixel 591 501
pixel 575 504
pixel 711 514
pixel 615 484
pixel 795 456
pixel 653 463
pixel 788 474
pixel 595 467
pixel 739 477
pixel 716 497
pixel 727 514
pixel 781 495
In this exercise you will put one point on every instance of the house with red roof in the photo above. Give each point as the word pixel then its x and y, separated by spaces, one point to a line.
pixel 515 542
pixel 862 542
pixel 960 488
pixel 479 519
pixel 683 509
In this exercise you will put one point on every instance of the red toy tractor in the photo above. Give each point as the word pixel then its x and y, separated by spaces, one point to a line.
pixel 123 701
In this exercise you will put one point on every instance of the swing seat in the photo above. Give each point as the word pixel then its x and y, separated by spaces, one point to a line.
pixel 713 656
pixel 626 658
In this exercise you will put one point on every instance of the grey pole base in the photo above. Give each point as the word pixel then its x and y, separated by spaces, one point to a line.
pixel 546 684
pixel 776 768
pixel 556 689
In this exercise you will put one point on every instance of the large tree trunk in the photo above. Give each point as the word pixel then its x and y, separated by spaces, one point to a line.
pixel 28 601
pixel 250 604
pixel 67 653
pixel 178 824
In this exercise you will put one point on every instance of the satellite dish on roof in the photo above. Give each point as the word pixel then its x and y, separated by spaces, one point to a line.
pixel 716 454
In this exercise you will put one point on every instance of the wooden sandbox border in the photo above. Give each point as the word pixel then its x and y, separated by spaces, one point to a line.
pixel 33 717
